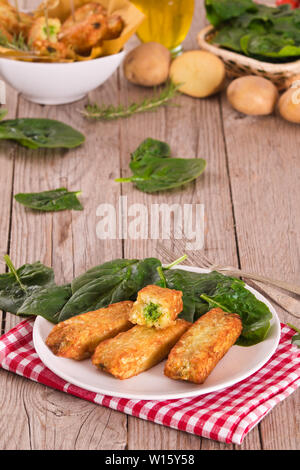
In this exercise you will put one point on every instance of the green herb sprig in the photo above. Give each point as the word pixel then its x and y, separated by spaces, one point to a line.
pixel 18 43
pixel 109 113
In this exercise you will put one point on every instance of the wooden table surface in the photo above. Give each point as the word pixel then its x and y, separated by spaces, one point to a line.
pixel 251 194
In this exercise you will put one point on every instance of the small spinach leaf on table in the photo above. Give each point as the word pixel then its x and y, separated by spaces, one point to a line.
pixel 152 148
pixel 154 170
pixel 54 200
pixel 37 132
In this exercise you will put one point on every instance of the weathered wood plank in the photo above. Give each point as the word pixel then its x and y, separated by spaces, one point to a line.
pixel 69 243
pixel 265 173
pixel 7 156
pixel 92 169
pixel 193 129
pixel 255 160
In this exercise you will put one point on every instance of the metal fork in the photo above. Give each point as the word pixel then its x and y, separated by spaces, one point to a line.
pixel 264 284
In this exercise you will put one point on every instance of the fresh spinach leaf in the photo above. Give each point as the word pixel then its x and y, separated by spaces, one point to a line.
pixel 192 285
pixel 54 200
pixel 154 170
pixel 152 148
pixel 232 296
pixel 37 132
pixel 108 283
pixel 16 286
pixel 262 32
pixel 203 291
pixel 31 290
pixel 46 302
pixel 218 11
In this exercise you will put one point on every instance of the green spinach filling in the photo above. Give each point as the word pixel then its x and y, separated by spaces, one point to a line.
pixel 152 311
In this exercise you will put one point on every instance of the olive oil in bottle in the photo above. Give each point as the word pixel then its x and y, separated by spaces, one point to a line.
pixel 167 21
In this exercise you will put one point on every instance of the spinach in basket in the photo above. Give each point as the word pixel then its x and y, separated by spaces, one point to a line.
pixel 35 133
pixel 266 33
pixel 153 169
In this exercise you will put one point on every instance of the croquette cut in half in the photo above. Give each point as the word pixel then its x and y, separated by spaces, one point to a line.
pixel 138 349
pixel 78 337
pixel 201 348
pixel 156 306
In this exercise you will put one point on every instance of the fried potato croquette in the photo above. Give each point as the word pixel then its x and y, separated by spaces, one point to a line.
pixel 83 12
pixel 41 30
pixel 156 306
pixel 43 38
pixel 91 26
pixel 201 348
pixel 138 349
pixel 77 337
pixel 14 22
pixel 115 26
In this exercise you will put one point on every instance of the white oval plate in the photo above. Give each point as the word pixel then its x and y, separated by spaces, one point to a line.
pixel 238 364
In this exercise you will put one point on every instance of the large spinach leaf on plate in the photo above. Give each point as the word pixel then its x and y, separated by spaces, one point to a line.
pixel 31 290
pixel 203 291
pixel 37 132
pixel 51 201
pixel 232 296
pixel 192 286
pixel 154 170
pixel 46 302
pixel 108 283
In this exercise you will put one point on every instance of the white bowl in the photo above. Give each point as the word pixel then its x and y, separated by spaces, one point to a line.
pixel 58 83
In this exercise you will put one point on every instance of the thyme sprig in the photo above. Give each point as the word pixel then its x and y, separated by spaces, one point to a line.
pixel 108 113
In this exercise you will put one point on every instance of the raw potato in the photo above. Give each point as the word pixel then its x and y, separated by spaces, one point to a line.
pixel 252 95
pixel 147 64
pixel 289 81
pixel 200 72
pixel 289 105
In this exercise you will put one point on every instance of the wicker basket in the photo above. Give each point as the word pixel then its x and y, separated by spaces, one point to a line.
pixel 238 65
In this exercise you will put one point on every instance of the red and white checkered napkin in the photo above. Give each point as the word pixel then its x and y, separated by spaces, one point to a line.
pixel 226 416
